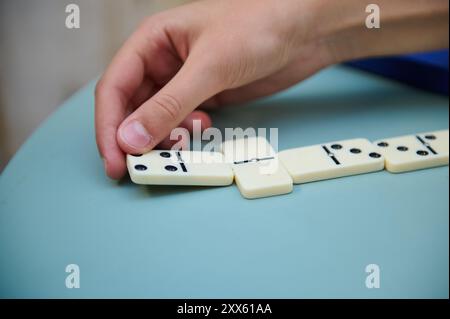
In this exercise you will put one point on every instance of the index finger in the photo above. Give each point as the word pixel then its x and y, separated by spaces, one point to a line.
pixel 112 96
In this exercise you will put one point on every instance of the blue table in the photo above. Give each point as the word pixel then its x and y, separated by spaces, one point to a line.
pixel 57 208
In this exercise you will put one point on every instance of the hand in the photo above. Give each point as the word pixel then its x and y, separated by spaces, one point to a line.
pixel 216 52
pixel 210 53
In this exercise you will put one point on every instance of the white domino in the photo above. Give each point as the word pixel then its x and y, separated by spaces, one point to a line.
pixel 331 160
pixel 257 170
pixel 180 168
pixel 414 152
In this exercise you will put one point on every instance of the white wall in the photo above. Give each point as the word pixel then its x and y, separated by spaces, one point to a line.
pixel 43 63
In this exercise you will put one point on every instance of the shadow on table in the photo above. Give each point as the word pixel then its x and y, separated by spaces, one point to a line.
pixel 148 191
pixel 324 106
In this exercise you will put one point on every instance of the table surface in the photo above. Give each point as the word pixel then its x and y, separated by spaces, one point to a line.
pixel 57 208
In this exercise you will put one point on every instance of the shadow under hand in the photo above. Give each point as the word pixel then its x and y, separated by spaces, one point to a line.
pixel 312 115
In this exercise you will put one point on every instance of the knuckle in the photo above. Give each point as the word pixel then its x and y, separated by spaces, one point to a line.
pixel 146 22
pixel 99 88
pixel 168 105
pixel 152 20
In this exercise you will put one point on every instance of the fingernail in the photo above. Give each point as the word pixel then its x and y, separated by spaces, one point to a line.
pixel 135 135
pixel 105 164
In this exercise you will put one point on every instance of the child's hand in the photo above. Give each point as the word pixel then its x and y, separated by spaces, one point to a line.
pixel 221 52
pixel 226 51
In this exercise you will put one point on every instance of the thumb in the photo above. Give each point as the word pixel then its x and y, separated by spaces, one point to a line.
pixel 153 121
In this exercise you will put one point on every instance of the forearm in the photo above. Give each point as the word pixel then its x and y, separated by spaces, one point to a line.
pixel 406 26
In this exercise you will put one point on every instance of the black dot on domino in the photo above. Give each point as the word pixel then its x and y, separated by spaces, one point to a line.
pixel 165 154
pixel 383 144
pixel 355 151
pixel 140 167
pixel 430 137
pixel 422 153
pixel 136 155
pixel 336 146
pixel 171 168
pixel 402 148
pixel 374 155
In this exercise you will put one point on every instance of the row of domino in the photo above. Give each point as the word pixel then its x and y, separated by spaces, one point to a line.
pixel 249 162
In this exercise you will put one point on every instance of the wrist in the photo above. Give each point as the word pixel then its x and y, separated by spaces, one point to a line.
pixel 330 27
pixel 405 26
pixel 340 28
pixel 313 25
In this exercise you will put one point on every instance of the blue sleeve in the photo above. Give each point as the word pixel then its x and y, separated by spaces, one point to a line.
pixel 427 71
